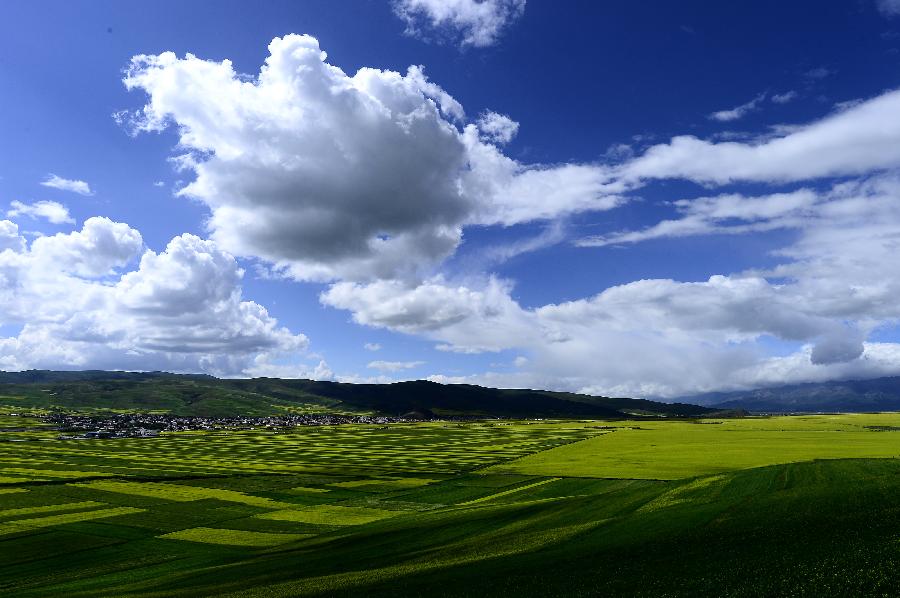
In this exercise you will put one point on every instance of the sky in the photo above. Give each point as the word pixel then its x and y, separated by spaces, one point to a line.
pixel 648 199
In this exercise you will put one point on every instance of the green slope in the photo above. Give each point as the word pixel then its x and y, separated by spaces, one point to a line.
pixel 825 528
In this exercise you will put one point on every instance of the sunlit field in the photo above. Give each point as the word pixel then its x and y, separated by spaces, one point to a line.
pixel 673 450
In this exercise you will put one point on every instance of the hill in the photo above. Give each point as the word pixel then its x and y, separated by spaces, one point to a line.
pixel 856 396
pixel 201 395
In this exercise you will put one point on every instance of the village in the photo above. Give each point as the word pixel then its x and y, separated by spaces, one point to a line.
pixel 75 426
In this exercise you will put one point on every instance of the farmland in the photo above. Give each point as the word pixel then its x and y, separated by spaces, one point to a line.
pixel 753 506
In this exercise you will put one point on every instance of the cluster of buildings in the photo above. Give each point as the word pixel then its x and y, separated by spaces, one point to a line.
pixel 149 425
pixel 112 433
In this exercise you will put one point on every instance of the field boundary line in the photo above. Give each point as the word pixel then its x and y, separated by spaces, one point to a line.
pixel 506 492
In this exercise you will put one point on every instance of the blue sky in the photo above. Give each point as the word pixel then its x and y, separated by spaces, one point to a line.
pixel 649 199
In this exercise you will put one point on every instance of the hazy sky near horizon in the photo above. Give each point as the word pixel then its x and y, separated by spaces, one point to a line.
pixel 629 198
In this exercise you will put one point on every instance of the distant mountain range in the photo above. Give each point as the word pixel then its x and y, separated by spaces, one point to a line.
pixel 878 394
pixel 200 395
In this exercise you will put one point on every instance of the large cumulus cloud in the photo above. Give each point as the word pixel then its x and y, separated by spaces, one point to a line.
pixel 369 180
pixel 329 176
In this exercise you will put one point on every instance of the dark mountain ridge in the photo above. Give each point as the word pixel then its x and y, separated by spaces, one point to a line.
pixel 876 394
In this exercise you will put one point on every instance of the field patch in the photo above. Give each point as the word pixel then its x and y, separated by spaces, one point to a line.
pixel 178 493
pixel 233 537
pixel 71 506
pixel 330 515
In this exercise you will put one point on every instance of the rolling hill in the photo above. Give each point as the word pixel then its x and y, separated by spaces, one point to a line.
pixel 202 395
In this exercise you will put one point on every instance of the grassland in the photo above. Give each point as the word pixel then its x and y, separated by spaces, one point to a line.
pixel 747 507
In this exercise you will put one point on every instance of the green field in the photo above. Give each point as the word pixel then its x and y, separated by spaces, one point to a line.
pixel 804 506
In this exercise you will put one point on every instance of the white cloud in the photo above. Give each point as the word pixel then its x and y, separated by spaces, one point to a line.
pixel 379 379
pixel 178 310
pixel 507 192
pixel 877 359
pixel 820 72
pixel 732 213
pixel 861 139
pixel 650 338
pixel 73 185
pixel 487 257
pixel 331 176
pixel 784 98
pixel 497 128
pixel 477 23
pixel 97 250
pixel 159 184
pixel 738 112
pixel 10 237
pixel 53 212
pixel 832 288
pixel 889 8
pixel 394 366
pixel 465 319
pixel 263 367
pixel 372 347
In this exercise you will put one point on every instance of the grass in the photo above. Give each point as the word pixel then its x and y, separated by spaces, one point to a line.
pixel 801 506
